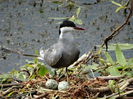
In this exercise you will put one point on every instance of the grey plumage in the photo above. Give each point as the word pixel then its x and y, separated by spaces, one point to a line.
pixel 64 52
pixel 61 54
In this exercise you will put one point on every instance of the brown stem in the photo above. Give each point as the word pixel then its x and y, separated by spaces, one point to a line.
pixel 122 85
pixel 17 52
pixel 115 32
pixel 10 85
pixel 110 77
pixel 123 94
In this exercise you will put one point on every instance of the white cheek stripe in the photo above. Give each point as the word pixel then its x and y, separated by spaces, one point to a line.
pixel 65 30
pixel 61 35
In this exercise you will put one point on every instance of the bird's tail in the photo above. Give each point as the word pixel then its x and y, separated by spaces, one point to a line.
pixel 41 52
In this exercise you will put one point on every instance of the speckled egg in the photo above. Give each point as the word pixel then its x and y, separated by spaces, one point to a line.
pixel 51 84
pixel 63 85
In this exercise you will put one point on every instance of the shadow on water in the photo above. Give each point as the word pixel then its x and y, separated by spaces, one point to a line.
pixel 25 26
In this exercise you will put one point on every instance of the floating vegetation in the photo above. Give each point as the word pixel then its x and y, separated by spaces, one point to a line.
pixel 74 18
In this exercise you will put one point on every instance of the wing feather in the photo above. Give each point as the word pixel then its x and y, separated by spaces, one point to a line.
pixel 53 55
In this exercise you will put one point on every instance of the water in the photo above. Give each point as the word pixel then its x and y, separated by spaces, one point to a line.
pixel 25 26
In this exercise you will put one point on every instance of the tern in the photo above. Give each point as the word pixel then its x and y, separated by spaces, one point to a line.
pixel 64 52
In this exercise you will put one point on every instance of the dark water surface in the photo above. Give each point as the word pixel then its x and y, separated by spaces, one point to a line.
pixel 25 26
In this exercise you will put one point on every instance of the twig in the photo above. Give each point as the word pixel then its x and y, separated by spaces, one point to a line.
pixel 17 52
pixel 110 77
pixel 10 90
pixel 44 90
pixel 131 5
pixel 103 89
pixel 9 85
pixel 123 94
pixel 83 59
pixel 125 83
pixel 129 88
pixel 49 90
pixel 114 94
pixel 115 32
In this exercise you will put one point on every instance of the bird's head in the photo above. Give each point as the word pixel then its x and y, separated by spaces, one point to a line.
pixel 68 26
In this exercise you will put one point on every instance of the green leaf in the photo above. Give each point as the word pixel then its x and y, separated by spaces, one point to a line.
pixel 118 9
pixel 21 76
pixel 113 97
pixel 58 18
pixel 29 62
pixel 129 74
pixel 13 72
pixel 4 77
pixel 76 20
pixel 35 60
pixel 113 71
pixel 123 46
pixel 29 65
pixel 73 18
pixel 111 85
pixel 109 58
pixel 99 51
pixel 118 4
pixel 10 93
pixel 102 98
pixel 119 56
pixel 32 76
pixel 130 61
pixel 57 2
pixel 87 68
pixel 78 11
pixel 42 70
pixel 36 52
pixel 70 5
pixel 102 61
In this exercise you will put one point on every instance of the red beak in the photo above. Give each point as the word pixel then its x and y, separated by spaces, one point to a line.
pixel 79 28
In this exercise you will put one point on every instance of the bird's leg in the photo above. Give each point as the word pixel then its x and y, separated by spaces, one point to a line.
pixel 60 72
pixel 60 75
pixel 63 74
pixel 66 70
pixel 67 75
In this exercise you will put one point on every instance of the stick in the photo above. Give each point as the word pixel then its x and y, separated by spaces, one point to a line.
pixel 115 32
pixel 17 52
pixel 125 83
pixel 10 85
pixel 10 90
pixel 110 77
pixel 123 94
pixel 122 85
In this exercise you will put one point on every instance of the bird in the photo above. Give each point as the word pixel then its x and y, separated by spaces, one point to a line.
pixel 64 52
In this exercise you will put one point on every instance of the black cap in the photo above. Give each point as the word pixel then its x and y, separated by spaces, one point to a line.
pixel 67 23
